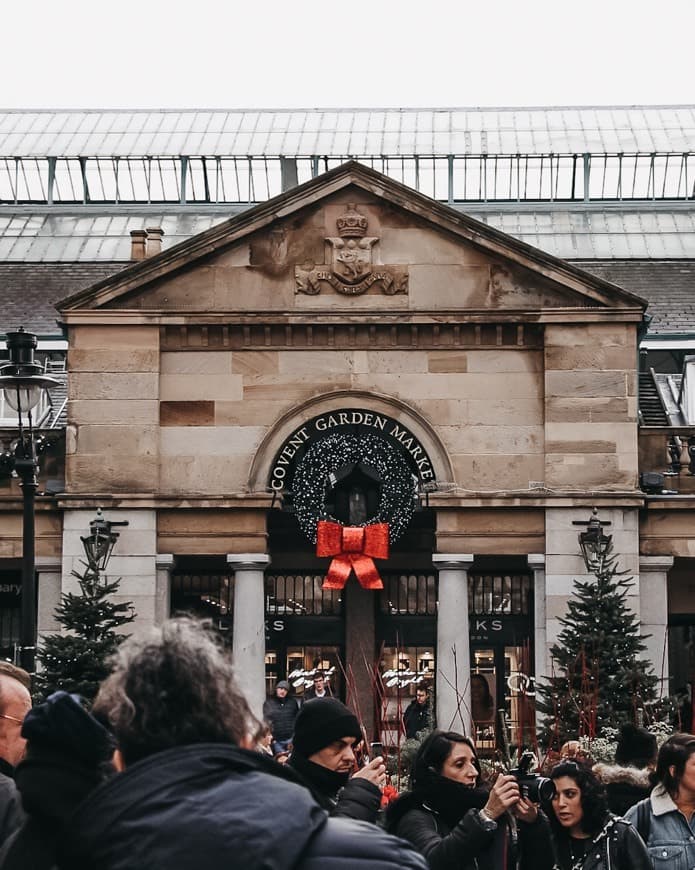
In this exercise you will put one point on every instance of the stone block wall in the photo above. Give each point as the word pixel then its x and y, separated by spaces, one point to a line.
pixel 112 441
pixel 133 560
pixel 590 407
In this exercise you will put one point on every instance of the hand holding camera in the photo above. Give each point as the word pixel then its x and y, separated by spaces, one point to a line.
pixel 503 795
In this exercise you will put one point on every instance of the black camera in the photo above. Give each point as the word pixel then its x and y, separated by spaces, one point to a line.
pixel 536 788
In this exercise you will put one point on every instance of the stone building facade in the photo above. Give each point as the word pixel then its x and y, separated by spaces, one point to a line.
pixel 494 383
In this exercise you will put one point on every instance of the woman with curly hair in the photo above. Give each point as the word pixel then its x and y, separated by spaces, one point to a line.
pixel 457 823
pixel 585 833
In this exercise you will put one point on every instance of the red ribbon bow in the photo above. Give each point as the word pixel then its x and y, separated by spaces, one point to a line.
pixel 352 548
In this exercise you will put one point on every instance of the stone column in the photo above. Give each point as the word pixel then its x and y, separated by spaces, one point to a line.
pixel 536 562
pixel 163 563
pixel 453 643
pixel 49 570
pixel 248 630
pixel 653 595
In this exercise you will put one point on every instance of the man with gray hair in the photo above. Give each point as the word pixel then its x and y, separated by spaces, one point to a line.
pixel 191 792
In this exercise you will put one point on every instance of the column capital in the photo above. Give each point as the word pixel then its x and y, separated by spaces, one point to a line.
pixel 655 563
pixel 164 561
pixel 48 564
pixel 248 561
pixel 454 561
pixel 536 560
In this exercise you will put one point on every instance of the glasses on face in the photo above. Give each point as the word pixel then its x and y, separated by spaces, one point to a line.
pixel 11 718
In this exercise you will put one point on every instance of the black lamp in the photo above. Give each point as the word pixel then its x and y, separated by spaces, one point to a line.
pixel 594 544
pixel 23 383
pixel 99 543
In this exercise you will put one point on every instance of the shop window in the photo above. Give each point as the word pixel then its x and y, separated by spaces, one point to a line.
pixel 492 594
pixel 402 671
pixel 303 662
pixel 10 607
pixel 300 595
pixel 209 596
pixel 409 594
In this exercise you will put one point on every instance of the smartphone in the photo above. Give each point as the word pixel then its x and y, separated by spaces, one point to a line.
pixel 376 749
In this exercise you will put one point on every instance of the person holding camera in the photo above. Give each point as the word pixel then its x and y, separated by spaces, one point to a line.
pixel 458 823
pixel 585 833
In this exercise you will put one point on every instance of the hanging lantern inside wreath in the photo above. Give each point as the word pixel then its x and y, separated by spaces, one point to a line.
pixel 353 495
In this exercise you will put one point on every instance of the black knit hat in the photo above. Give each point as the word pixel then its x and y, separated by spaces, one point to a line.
pixel 636 746
pixel 320 722
pixel 62 724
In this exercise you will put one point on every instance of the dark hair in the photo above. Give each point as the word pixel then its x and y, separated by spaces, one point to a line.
pixel 636 746
pixel 480 679
pixel 675 753
pixel 172 688
pixel 593 798
pixel 433 752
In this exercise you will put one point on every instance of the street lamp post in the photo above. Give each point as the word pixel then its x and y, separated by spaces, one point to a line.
pixel 23 382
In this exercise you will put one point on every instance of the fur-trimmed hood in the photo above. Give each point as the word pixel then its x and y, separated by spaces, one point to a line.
pixel 610 774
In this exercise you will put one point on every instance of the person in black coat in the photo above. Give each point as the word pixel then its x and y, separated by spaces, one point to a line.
pixel 458 824
pixel 585 833
pixel 190 792
pixel 417 714
pixel 326 735
pixel 280 711
pixel 68 755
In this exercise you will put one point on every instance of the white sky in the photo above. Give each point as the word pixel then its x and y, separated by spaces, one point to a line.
pixel 308 53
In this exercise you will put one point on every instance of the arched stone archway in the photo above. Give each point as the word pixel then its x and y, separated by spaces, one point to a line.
pixel 335 401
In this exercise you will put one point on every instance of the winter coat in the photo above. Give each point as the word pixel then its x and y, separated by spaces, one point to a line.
pixel 670 838
pixel 280 713
pixel 618 846
pixel 472 844
pixel 11 813
pixel 355 798
pixel 625 786
pixel 416 718
pixel 219 807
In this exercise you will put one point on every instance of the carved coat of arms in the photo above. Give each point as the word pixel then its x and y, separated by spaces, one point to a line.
pixel 352 271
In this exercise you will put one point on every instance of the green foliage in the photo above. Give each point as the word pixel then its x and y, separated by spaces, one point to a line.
pixel 600 679
pixel 78 661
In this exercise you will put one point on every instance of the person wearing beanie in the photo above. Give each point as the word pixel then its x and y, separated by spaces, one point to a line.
pixel 68 754
pixel 279 712
pixel 628 780
pixel 326 735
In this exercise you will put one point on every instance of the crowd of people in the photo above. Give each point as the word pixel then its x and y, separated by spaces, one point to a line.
pixel 171 769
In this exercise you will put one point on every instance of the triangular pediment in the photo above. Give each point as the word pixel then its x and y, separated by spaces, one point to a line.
pixel 353 240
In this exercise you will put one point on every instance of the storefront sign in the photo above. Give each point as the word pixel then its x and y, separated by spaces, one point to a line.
pixel 404 677
pixel 507 630
pixel 355 420
pixel 300 677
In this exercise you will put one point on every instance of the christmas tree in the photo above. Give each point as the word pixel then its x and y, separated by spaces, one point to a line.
pixel 78 661
pixel 600 680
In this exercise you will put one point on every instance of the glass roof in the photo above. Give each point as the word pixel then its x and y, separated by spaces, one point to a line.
pixel 590 233
pixel 357 132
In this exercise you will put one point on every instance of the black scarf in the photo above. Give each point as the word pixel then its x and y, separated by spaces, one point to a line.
pixel 450 799
pixel 323 783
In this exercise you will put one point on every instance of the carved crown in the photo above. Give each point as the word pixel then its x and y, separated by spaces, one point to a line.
pixel 352 224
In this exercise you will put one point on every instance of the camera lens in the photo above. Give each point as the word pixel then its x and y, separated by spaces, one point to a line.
pixel 541 790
